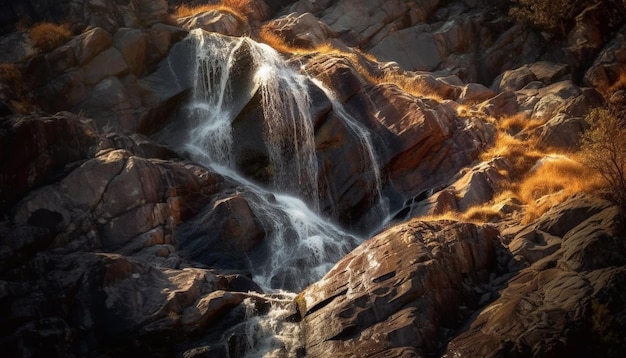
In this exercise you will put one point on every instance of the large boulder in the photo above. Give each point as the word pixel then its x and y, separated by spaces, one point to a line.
pixel 37 150
pixel 572 292
pixel 398 292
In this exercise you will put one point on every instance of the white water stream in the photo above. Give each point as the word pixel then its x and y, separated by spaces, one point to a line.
pixel 301 246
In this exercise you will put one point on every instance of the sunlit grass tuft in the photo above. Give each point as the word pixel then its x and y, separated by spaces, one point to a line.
pixel 518 122
pixel 553 180
pixel 241 9
pixel 521 154
pixel 410 85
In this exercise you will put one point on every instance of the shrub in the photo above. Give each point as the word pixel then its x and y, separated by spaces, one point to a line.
pixel 551 16
pixel 604 150
pixel 47 36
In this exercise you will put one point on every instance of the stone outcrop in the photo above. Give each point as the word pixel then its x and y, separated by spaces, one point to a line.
pixel 37 150
pixel 565 302
pixel 399 292
pixel 114 241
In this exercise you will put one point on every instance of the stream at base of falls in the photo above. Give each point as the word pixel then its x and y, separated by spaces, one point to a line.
pixel 301 245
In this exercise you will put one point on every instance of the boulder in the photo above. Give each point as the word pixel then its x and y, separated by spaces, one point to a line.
pixel 608 72
pixel 224 233
pixel 562 131
pixel 16 47
pixel 90 43
pixel 303 30
pixel 474 92
pixel 478 185
pixel 399 291
pixel 37 150
pixel 220 21
pixel 109 62
pixel 133 45
pixel 149 11
pixel 568 293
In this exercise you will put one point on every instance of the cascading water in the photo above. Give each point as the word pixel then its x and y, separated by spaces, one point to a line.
pixel 300 246
pixel 364 137
pixel 285 102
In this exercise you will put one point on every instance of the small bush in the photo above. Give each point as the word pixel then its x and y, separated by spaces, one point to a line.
pixel 552 16
pixel 604 150
pixel 47 36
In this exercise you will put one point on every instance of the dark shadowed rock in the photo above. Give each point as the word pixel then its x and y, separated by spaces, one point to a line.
pixel 36 150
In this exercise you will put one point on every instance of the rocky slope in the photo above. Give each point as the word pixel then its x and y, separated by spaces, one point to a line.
pixel 116 240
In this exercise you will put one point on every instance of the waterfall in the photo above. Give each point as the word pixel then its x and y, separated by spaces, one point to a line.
pixel 300 246
pixel 288 129
pixel 364 137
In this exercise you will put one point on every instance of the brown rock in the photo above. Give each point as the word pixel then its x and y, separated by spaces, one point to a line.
pixel 63 92
pixel 150 11
pixel 577 257
pixel 108 63
pixel 36 150
pixel 608 71
pixel 90 43
pixel 301 30
pixel 474 92
pixel 222 22
pixel 133 45
pixel 397 291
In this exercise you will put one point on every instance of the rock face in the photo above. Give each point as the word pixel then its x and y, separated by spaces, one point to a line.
pixel 399 292
pixel 565 302
pixel 36 150
pixel 117 238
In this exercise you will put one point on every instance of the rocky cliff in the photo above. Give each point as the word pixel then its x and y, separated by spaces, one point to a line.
pixel 307 178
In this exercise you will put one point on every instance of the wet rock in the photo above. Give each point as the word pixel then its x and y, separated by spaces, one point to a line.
pixel 223 233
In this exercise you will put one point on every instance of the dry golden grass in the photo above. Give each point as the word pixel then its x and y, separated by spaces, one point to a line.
pixel 447 216
pixel 357 57
pixel 278 43
pixel 47 36
pixel 619 84
pixel 518 122
pixel 482 214
pixel 410 85
pixel 522 155
pixel 556 178
pixel 241 9
pixel 10 75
